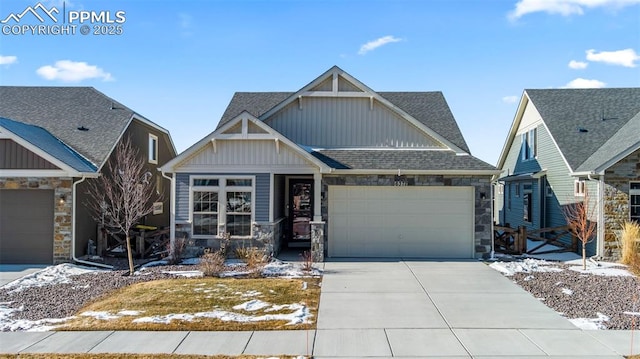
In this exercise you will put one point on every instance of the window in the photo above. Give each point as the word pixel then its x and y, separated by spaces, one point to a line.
pixel 634 201
pixel 529 144
pixel 227 201
pixel 527 191
pixel 549 191
pixel 517 190
pixel 579 188
pixel 528 207
pixel 153 149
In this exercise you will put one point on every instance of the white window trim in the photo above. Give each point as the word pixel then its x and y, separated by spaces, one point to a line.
pixel 579 188
pixel 222 190
pixel 153 138
pixel 632 192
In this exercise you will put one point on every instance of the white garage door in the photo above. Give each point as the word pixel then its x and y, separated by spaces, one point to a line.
pixel 428 222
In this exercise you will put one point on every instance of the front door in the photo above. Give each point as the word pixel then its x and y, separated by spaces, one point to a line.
pixel 300 212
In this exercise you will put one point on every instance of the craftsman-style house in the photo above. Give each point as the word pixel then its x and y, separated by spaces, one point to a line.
pixel 336 167
pixel 53 141
pixel 563 144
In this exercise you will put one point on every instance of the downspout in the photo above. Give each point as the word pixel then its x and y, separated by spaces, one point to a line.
pixel 172 210
pixel 493 252
pixel 73 229
pixel 601 223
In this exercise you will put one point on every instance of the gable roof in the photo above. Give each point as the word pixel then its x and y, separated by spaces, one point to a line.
pixel 620 145
pixel 49 144
pixel 601 112
pixel 62 110
pixel 429 108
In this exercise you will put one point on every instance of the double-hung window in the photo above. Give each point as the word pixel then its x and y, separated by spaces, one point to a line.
pixel 634 201
pixel 529 142
pixel 153 149
pixel 227 202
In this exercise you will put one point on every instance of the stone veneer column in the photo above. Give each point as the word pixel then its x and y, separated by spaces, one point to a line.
pixel 317 241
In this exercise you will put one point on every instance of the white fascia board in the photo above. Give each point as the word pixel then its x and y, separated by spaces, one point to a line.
pixel 416 172
pixel 247 169
pixel 618 158
pixel 141 118
pixel 70 171
pixel 524 101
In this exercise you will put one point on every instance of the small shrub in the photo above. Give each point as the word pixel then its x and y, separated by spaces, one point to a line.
pixel 212 263
pixel 629 241
pixel 307 261
pixel 224 243
pixel 255 259
pixel 175 253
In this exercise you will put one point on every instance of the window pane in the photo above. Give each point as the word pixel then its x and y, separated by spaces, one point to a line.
pixel 205 201
pixel 238 182
pixel 205 224
pixel 239 224
pixel 205 182
pixel 634 185
pixel 239 202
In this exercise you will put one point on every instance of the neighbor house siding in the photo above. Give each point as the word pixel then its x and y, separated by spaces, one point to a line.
pixel 346 122
pixel 182 197
pixel 15 156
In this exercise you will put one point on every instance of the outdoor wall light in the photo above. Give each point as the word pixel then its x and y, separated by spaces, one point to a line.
pixel 62 199
pixel 483 196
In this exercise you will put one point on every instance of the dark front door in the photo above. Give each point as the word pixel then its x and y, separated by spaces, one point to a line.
pixel 300 212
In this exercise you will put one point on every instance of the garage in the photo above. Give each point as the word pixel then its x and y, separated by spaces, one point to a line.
pixel 26 226
pixel 408 222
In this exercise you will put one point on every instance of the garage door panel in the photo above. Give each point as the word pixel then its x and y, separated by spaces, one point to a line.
pixel 26 226
pixel 401 221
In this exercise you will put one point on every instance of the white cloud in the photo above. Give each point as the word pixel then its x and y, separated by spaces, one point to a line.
pixel 372 45
pixel 510 99
pixel 72 71
pixel 577 65
pixel 581 83
pixel 564 7
pixel 626 57
pixel 8 60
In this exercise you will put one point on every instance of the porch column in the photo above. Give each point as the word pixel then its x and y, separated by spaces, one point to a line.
pixel 317 193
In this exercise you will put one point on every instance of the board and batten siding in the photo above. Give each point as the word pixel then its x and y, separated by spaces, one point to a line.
pixel 334 122
pixel 261 194
pixel 246 153
pixel 15 156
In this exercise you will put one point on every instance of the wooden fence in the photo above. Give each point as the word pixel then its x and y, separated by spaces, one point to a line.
pixel 514 240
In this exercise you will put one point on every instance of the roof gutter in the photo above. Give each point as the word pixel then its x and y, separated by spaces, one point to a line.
pixel 415 172
pixel 73 228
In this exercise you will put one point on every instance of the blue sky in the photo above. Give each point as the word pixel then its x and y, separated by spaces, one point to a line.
pixel 178 63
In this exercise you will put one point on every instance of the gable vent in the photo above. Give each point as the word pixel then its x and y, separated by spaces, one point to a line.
pixel 582 130
pixel 83 129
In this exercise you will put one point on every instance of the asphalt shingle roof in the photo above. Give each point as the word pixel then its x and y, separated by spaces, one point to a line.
pixel 400 159
pixel 627 137
pixel 61 110
pixel 601 112
pixel 44 140
pixel 429 108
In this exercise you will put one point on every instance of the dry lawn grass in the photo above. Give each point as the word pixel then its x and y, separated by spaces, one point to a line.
pixel 176 296
pixel 128 356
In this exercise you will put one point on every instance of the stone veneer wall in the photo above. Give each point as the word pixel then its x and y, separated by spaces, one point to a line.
pixel 62 231
pixel 616 200
pixel 482 206
pixel 265 235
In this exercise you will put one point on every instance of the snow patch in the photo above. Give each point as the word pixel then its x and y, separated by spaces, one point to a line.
pixel 600 268
pixel 252 305
pixel 528 265
pixel 591 323
pixel 567 291
pixel 49 276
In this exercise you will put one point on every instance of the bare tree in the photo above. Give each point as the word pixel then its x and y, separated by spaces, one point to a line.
pixel 578 216
pixel 123 194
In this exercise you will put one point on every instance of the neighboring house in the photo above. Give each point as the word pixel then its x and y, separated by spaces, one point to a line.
pixel 563 144
pixel 338 168
pixel 53 141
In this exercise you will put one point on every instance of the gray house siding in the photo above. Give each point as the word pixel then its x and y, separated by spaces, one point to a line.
pixel 346 123
pixel 15 156
pixel 262 194
pixel 182 197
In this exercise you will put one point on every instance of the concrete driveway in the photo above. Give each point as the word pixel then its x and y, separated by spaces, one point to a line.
pixel 434 309
pixel 11 272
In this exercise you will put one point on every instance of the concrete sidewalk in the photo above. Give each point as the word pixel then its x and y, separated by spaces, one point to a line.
pixel 381 309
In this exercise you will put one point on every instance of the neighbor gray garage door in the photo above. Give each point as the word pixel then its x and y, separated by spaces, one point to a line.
pixel 26 226
pixel 385 221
